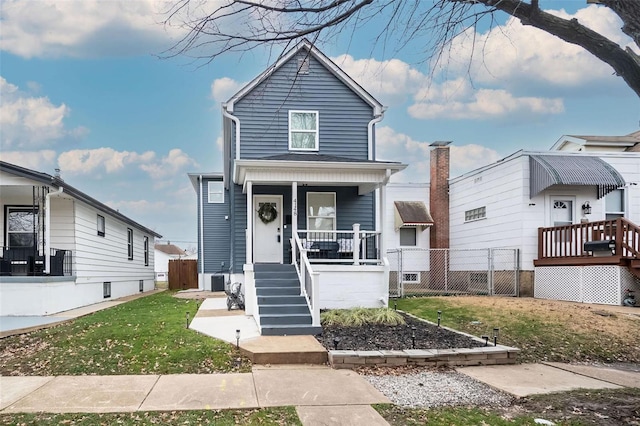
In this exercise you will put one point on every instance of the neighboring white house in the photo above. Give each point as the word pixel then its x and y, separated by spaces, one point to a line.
pixel 62 249
pixel 163 253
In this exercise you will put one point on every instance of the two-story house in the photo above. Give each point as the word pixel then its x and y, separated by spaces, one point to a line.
pixel 296 214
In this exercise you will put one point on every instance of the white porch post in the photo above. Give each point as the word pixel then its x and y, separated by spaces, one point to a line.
pixel 249 254
pixel 356 243
pixel 383 204
pixel 294 219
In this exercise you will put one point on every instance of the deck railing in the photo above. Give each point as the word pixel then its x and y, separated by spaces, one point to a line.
pixel 16 261
pixel 562 242
pixel 343 247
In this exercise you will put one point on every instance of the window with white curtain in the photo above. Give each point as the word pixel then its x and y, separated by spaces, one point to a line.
pixel 303 130
pixel 321 213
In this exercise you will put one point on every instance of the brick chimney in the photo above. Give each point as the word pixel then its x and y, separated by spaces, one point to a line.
pixel 439 194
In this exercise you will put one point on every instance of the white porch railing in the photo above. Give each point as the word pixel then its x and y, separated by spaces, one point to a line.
pixel 343 247
pixel 309 280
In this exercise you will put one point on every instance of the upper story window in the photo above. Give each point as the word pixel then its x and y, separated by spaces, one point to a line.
pixel 146 250
pixel 216 192
pixel 408 237
pixel 303 130
pixel 614 204
pixel 475 214
pixel 130 243
pixel 100 226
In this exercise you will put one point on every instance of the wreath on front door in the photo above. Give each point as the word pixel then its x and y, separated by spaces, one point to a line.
pixel 267 213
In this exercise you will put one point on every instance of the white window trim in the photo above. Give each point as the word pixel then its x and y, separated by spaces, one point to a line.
pixel 221 192
pixel 335 209
pixel 477 218
pixel 129 243
pixel 414 230
pixel 417 280
pixel 622 213
pixel 103 222
pixel 316 131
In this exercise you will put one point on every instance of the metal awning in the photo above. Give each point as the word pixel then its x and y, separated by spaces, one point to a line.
pixel 548 170
pixel 411 213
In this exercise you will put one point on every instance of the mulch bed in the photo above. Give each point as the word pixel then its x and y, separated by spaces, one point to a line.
pixel 373 337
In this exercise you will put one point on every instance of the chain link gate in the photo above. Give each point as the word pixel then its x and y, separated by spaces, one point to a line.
pixel 416 271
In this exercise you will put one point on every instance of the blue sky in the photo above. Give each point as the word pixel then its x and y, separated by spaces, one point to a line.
pixel 82 89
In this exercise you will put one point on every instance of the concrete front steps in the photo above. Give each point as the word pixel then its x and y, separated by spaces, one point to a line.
pixel 282 311
pixel 275 350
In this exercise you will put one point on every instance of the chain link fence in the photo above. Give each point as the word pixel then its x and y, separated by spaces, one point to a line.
pixel 416 271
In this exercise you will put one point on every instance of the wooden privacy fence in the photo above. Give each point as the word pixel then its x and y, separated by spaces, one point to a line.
pixel 183 274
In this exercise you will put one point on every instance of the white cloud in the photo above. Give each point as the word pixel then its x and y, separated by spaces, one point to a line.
pixel 170 165
pixel 223 88
pixel 394 146
pixel 31 122
pixel 220 143
pixel 43 161
pixel 89 161
pixel 87 28
pixel 515 55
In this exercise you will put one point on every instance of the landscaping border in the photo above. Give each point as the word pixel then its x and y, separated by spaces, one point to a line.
pixel 455 357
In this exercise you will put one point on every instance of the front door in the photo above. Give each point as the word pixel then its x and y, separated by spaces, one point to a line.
pixel 267 229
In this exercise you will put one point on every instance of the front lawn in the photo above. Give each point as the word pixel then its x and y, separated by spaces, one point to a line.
pixel 144 336
pixel 544 330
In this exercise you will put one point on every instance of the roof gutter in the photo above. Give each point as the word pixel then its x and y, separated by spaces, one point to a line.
pixel 201 233
pixel 236 120
pixel 379 115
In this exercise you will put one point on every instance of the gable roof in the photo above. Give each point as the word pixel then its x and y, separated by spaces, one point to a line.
pixel 626 141
pixel 56 182
pixel 320 57
pixel 170 249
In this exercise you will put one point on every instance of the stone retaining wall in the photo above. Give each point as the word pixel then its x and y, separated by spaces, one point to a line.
pixel 488 355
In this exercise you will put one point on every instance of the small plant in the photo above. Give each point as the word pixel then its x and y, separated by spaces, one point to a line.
pixel 360 316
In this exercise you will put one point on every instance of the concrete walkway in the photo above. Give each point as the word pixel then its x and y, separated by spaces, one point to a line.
pixel 322 395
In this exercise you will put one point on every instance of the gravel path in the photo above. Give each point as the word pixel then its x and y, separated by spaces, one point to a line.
pixel 427 389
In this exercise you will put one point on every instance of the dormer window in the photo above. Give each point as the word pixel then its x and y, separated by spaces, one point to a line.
pixel 303 130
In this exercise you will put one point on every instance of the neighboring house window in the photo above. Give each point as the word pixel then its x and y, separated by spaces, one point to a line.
pixel 303 130
pixel 475 214
pixel 321 214
pixel 146 251
pixel 106 289
pixel 614 204
pixel 408 237
pixel 141 286
pixel 100 226
pixel 130 243
pixel 411 277
pixel 22 226
pixel 216 192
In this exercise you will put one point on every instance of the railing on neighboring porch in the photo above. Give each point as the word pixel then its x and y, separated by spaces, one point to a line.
pixel 565 244
pixel 17 261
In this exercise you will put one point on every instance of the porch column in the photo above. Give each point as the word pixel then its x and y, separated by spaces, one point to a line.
pixel 383 203
pixel 249 254
pixel 294 219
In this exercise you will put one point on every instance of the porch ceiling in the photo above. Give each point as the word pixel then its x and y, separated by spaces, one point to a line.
pixel 367 175
pixel 549 170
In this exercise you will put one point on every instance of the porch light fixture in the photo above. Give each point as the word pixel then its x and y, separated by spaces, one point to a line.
pixel 496 332
pixel 486 339
pixel 586 208
pixel 336 342
pixel 413 337
pixel 439 317
pixel 237 338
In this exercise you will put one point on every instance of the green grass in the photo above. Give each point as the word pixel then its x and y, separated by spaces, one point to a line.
pixel 446 416
pixel 264 416
pixel 360 316
pixel 144 336
pixel 540 338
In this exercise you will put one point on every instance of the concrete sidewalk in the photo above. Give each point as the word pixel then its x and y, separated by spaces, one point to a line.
pixel 319 393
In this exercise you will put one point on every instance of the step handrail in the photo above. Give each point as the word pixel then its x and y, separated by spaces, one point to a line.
pixel 308 278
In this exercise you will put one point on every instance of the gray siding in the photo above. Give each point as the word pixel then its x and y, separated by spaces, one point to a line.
pixel 264 118
pixel 350 208
pixel 217 244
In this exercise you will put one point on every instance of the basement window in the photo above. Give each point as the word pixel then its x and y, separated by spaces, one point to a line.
pixel 475 214
pixel 411 277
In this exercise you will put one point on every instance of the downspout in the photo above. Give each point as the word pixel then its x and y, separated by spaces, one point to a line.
pixel 201 257
pixel 376 119
pixel 236 120
pixel 47 230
